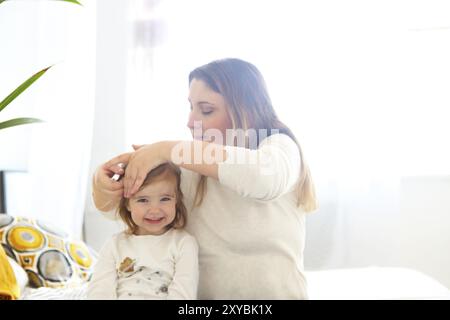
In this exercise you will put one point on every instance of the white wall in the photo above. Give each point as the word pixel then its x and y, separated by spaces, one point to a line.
pixel 424 231
pixel 109 132
pixel 18 62
pixel 416 237
pixel 55 154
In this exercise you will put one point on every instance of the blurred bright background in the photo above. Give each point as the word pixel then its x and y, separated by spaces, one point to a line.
pixel 363 84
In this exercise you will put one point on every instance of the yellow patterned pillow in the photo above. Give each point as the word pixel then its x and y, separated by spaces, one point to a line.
pixel 48 255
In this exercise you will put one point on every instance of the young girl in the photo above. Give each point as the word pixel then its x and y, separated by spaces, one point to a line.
pixel 247 216
pixel 154 258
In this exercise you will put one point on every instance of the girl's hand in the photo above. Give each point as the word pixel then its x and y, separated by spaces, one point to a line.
pixel 141 162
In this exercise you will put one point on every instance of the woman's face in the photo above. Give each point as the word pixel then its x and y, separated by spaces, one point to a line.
pixel 208 111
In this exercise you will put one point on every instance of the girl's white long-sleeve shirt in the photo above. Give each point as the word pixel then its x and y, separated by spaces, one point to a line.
pixel 147 267
pixel 249 229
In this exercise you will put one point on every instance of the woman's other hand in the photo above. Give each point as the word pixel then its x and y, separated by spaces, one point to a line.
pixel 107 192
pixel 141 162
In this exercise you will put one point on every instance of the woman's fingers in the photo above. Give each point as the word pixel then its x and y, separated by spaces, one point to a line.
pixel 139 164
pixel 130 177
pixel 118 188
pixel 134 177
pixel 116 185
pixel 137 183
pixel 118 168
pixel 110 171
pixel 113 163
pixel 103 177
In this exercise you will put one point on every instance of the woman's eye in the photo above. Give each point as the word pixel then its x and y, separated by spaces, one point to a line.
pixel 142 200
pixel 205 113
pixel 166 199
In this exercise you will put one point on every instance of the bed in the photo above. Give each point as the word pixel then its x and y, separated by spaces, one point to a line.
pixel 374 283
pixel 371 283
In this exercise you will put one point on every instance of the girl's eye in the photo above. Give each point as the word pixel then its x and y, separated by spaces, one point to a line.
pixel 142 200
pixel 205 113
pixel 166 199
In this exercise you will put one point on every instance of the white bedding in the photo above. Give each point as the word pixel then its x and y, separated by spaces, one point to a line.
pixel 370 283
pixel 374 283
pixel 78 293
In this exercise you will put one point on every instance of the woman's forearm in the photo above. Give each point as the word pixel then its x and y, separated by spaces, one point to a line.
pixel 198 156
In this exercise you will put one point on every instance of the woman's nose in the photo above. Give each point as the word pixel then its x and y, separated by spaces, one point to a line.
pixel 191 119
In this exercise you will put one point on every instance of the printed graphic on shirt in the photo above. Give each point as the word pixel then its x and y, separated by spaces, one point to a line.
pixel 142 278
pixel 126 266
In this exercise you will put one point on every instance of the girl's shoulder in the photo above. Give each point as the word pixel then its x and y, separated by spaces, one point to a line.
pixel 112 243
pixel 181 236
pixel 120 237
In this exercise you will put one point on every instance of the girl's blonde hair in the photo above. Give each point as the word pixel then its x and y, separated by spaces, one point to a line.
pixel 249 106
pixel 165 170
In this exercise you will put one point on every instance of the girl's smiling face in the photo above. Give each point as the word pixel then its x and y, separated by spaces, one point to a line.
pixel 153 207
pixel 209 108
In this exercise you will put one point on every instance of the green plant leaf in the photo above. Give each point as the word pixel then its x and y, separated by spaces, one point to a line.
pixel 72 1
pixel 18 122
pixel 21 88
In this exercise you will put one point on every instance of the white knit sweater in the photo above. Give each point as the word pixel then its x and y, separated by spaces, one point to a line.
pixel 249 230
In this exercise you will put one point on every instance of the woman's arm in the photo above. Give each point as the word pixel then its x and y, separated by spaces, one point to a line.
pixel 265 173
pixel 198 156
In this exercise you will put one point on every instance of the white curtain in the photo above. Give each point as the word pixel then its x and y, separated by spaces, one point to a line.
pixel 55 154
pixel 363 84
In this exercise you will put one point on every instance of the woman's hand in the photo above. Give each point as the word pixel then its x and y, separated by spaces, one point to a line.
pixel 141 162
pixel 107 192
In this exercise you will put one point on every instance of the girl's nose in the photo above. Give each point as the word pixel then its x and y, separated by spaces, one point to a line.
pixel 153 209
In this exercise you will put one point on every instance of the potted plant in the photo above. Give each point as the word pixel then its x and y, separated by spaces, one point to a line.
pixel 5 102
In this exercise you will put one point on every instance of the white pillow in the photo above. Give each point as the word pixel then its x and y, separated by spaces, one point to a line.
pixel 21 275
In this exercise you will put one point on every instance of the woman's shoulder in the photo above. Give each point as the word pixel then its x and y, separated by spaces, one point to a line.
pixel 279 139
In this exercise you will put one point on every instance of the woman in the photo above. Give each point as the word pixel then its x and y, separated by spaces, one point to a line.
pixel 246 194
